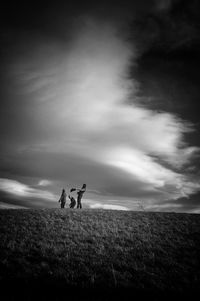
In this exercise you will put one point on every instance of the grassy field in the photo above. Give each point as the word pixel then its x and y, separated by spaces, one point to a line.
pixel 98 254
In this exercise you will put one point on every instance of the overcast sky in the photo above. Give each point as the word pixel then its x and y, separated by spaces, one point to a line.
pixel 105 94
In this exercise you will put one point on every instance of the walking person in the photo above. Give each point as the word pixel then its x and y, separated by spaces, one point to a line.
pixel 62 199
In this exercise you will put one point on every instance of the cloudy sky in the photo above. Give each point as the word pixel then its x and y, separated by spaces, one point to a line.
pixel 100 93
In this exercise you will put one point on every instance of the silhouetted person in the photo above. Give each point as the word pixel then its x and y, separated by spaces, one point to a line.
pixel 73 201
pixel 80 195
pixel 62 199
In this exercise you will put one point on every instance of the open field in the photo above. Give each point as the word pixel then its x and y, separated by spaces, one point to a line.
pixel 98 254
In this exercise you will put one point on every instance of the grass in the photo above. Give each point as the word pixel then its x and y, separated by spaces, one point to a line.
pixel 98 254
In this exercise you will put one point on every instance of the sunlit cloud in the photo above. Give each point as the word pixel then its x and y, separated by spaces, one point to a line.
pixel 18 189
pixel 44 183
pixel 88 109
pixel 108 206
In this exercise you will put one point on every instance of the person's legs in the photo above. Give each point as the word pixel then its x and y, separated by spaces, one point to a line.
pixel 80 205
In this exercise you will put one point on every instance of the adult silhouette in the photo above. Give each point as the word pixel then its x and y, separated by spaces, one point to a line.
pixel 62 199
pixel 80 193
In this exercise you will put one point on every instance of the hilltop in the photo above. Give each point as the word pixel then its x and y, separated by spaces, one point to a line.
pixel 98 254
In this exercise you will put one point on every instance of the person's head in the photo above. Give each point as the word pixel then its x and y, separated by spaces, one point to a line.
pixel 63 191
pixel 84 186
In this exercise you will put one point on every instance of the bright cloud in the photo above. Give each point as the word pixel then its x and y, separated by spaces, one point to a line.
pixel 22 190
pixel 108 206
pixel 44 183
pixel 88 109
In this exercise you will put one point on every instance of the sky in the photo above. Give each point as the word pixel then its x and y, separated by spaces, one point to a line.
pixel 104 93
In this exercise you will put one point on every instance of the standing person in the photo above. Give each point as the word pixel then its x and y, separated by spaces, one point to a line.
pixel 62 199
pixel 80 195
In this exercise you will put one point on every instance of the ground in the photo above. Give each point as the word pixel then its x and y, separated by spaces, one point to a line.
pixel 98 254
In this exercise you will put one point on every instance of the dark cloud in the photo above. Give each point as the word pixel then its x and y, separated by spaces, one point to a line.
pixel 68 170
pixel 172 85
pixel 190 205
pixel 175 28
pixel 25 202
pixel 168 68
